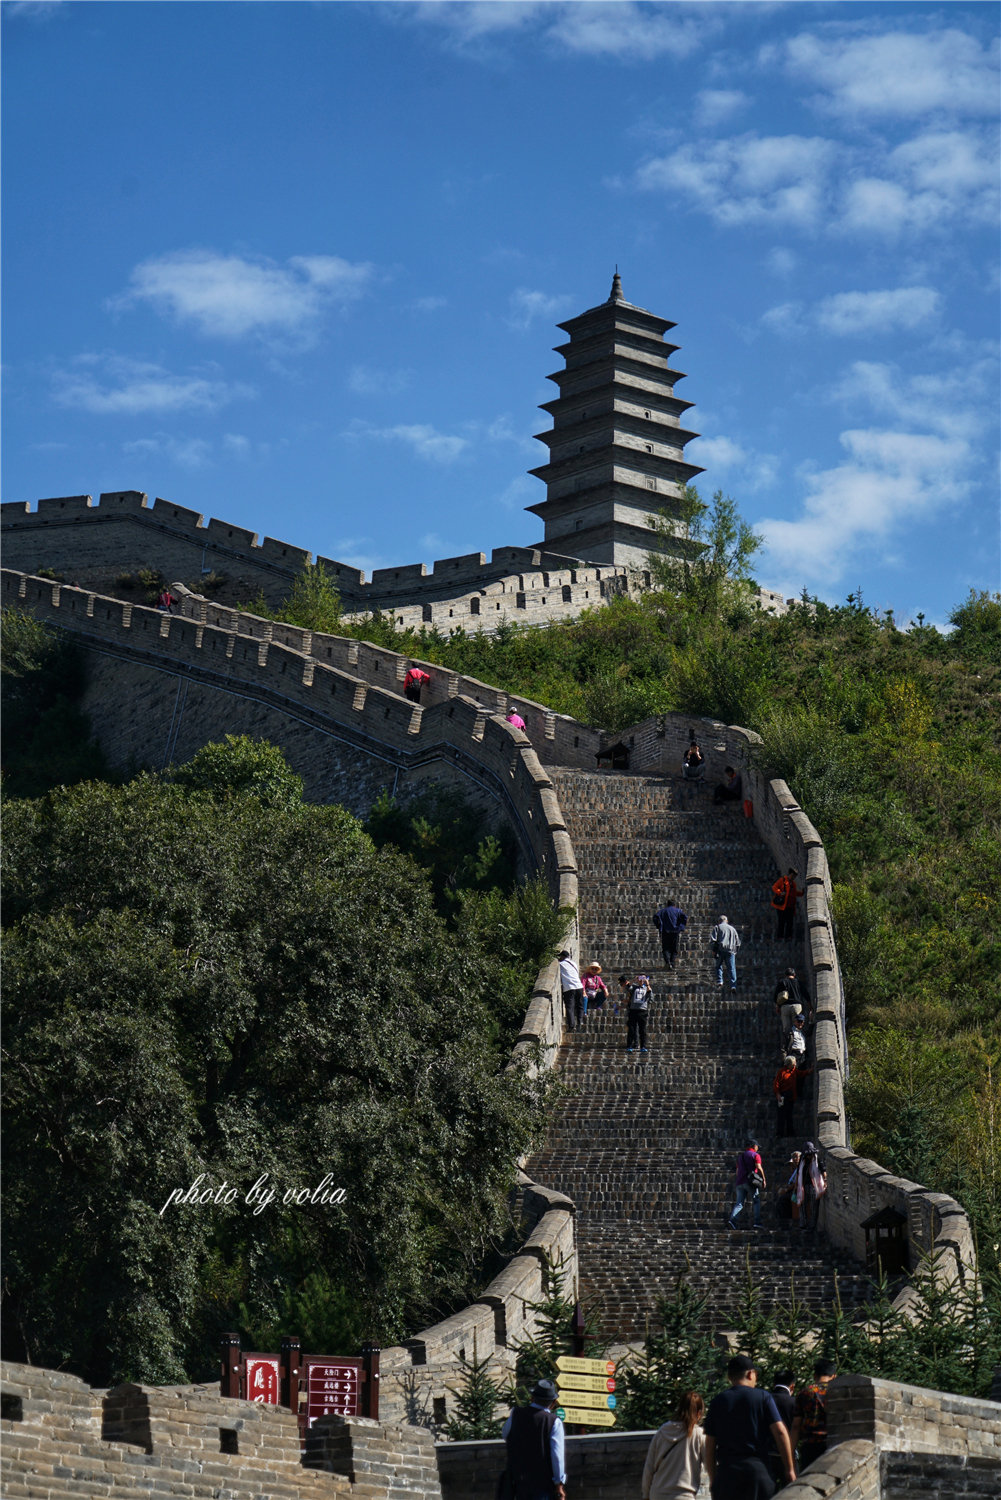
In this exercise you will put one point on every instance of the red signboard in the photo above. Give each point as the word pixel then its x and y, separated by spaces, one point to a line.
pixel 262 1379
pixel 333 1388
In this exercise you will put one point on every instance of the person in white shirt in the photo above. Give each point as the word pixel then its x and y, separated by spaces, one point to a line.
pixel 534 1438
pixel 673 1468
pixel 573 991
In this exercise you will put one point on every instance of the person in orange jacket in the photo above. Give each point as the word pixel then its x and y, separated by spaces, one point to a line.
pixel 785 1087
pixel 785 893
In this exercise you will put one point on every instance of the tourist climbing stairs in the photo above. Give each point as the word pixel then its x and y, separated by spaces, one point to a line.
pixel 645 1145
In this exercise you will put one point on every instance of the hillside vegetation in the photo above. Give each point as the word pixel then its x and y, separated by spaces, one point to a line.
pixel 213 987
pixel 891 740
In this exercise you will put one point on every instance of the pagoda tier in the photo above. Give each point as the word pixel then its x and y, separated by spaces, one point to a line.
pixel 616 445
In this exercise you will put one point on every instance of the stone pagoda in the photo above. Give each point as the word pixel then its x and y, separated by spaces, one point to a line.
pixel 616 448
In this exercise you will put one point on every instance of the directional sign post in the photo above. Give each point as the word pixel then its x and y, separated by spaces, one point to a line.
pixel 586 1387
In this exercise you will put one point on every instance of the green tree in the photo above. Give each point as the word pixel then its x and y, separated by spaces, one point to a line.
pixel 536 1356
pixel 477 1398
pixel 712 575
pixel 45 737
pixel 238 765
pixel 203 986
pixel 679 1355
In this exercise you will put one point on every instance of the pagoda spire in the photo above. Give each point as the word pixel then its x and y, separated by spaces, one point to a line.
pixel 617 444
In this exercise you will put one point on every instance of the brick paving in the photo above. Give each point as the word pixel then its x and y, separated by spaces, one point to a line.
pixel 645 1145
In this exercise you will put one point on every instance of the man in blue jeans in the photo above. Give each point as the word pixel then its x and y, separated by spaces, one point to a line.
pixel 748 1163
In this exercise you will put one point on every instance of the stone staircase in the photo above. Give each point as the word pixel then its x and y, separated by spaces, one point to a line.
pixel 645 1145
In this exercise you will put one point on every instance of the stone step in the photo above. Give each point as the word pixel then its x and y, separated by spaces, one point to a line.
pixel 645 1144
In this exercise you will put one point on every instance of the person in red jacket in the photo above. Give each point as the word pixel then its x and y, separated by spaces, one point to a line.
pixel 785 892
pixel 785 1087
pixel 414 682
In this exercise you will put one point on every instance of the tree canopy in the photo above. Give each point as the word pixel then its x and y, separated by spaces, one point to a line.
pixel 211 985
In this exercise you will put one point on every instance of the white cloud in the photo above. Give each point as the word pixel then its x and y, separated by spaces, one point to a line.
pixel 712 106
pixel 527 307
pixel 890 481
pixel 112 385
pixel 187 453
pixel 227 296
pixel 856 314
pixel 925 183
pixel 749 179
pixel 954 403
pixel 597 28
pixel 905 307
pixel 721 456
pixel 897 74
pixel 366 380
pixel 522 491
pixel 429 304
pixel 425 440
pixel 624 30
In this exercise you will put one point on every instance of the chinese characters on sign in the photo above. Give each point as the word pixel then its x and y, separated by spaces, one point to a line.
pixel 262 1377
pixel 332 1390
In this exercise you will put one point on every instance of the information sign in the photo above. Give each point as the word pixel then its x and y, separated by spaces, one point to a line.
pixel 571 1382
pixel 590 1398
pixel 575 1365
pixel 262 1379
pixel 332 1389
pixel 584 1418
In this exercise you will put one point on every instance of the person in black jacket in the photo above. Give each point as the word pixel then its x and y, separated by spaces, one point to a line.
pixel 534 1438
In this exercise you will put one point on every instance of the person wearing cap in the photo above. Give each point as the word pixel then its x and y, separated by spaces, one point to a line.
pixel 725 941
pixel 595 988
pixel 514 718
pixel 741 1426
pixel 535 1442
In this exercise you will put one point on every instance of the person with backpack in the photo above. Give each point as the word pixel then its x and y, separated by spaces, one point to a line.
pixel 809 1425
pixel 414 682
pixel 639 995
pixel 673 1468
pixel 534 1438
pixel 785 893
pixel 750 1179
pixel 670 921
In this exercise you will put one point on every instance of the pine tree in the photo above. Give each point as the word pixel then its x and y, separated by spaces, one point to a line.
pixel 754 1324
pixel 476 1400
pixel 536 1356
pixel 679 1355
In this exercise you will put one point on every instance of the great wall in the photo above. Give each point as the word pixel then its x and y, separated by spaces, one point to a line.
pixel 636 1168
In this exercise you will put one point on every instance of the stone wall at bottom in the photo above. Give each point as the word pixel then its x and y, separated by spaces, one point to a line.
pixel 601 1466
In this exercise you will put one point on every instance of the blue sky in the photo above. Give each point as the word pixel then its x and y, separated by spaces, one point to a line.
pixel 299 265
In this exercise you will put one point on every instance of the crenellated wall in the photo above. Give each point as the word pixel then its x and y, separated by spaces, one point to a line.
pixel 333 702
pixel 91 543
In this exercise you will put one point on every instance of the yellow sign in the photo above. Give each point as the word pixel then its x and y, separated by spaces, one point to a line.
pixel 590 1398
pixel 587 1418
pixel 578 1366
pixel 586 1382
